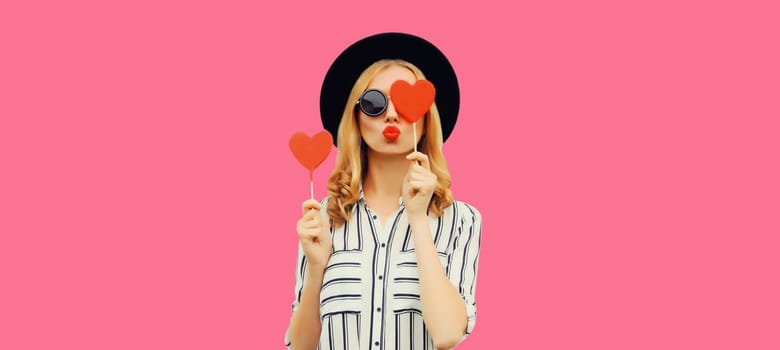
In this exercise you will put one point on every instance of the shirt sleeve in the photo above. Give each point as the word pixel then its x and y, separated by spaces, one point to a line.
pixel 300 272
pixel 465 262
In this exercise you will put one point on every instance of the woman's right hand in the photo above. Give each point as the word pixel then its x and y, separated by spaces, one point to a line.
pixel 314 233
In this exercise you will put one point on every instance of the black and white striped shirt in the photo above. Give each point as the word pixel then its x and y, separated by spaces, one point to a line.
pixel 370 297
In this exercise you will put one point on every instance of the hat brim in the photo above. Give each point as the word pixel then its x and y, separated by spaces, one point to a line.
pixel 348 66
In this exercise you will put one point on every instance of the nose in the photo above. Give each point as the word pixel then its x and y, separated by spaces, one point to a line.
pixel 390 114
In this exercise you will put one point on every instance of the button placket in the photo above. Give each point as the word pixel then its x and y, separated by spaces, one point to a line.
pixel 379 280
pixel 383 234
pixel 378 294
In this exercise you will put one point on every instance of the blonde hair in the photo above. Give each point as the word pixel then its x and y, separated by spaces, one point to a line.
pixel 351 158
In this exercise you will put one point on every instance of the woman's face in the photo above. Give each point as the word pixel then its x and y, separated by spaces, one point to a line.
pixel 388 133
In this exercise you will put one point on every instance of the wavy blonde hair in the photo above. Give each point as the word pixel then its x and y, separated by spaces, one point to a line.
pixel 351 158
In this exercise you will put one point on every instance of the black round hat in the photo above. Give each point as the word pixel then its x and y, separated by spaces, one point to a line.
pixel 356 58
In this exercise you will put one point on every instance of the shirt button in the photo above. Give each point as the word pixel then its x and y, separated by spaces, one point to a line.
pixel 379 309
pixel 376 343
pixel 380 277
pixel 383 245
pixel 374 217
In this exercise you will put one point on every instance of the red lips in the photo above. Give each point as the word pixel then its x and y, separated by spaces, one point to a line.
pixel 391 132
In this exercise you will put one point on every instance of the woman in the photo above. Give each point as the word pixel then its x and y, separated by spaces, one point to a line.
pixel 388 260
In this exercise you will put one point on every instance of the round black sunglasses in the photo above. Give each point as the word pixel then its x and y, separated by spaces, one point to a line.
pixel 373 102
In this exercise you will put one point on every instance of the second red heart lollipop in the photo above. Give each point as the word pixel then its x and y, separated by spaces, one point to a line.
pixel 311 151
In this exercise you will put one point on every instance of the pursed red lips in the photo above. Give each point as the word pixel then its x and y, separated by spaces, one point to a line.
pixel 391 132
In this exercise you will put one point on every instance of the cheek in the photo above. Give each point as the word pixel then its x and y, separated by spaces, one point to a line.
pixel 367 127
pixel 420 127
pixel 376 123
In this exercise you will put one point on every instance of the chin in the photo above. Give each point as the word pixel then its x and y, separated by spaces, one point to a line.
pixel 391 147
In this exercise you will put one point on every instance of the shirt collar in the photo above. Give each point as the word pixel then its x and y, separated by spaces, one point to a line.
pixel 362 198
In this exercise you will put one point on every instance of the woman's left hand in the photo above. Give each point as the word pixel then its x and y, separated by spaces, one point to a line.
pixel 419 185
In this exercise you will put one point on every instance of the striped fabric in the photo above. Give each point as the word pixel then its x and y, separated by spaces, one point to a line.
pixel 370 297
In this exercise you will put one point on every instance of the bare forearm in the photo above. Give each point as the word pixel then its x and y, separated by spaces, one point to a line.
pixel 444 312
pixel 305 324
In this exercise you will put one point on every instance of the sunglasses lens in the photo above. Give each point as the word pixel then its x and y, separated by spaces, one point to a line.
pixel 373 103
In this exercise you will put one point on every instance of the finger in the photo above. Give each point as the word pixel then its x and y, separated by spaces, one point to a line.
pixel 417 170
pixel 421 158
pixel 310 215
pixel 416 185
pixel 421 175
pixel 413 187
pixel 302 224
pixel 310 204
pixel 414 174
pixel 305 227
pixel 309 234
pixel 311 224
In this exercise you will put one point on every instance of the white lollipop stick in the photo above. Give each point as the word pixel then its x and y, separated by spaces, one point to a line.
pixel 414 129
pixel 311 184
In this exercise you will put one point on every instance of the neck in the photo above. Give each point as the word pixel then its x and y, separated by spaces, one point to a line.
pixel 385 175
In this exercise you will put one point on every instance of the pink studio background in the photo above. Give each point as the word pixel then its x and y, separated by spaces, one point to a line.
pixel 624 157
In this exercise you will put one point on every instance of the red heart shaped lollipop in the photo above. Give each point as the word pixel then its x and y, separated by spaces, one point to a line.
pixel 311 151
pixel 412 101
